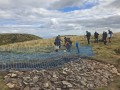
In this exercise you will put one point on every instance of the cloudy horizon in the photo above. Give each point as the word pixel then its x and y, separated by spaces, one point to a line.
pixel 48 18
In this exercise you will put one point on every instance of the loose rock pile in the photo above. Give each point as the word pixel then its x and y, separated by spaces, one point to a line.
pixel 79 75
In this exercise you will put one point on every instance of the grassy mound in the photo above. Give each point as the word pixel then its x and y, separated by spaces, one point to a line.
pixel 13 38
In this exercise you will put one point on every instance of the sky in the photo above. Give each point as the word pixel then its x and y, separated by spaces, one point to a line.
pixel 48 18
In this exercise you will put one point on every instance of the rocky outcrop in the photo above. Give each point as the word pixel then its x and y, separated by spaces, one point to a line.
pixel 79 75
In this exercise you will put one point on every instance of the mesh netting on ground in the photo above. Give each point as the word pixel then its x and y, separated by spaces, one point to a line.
pixel 41 61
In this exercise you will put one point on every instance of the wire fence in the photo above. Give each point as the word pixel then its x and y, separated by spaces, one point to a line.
pixel 41 61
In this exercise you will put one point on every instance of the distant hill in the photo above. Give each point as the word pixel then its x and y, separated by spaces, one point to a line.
pixel 13 38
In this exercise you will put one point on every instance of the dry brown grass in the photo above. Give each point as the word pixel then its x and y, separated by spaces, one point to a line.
pixel 2 84
pixel 104 53
pixel 41 45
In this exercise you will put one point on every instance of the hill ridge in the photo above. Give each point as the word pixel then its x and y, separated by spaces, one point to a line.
pixel 9 38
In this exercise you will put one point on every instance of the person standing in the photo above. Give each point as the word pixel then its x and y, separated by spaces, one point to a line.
pixel 110 34
pixel 88 35
pixel 65 40
pixel 96 37
pixel 57 43
pixel 68 44
pixel 105 37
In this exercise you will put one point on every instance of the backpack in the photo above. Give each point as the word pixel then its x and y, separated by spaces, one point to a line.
pixel 88 34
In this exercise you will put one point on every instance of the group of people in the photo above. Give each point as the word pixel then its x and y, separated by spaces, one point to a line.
pixel 106 37
pixel 67 43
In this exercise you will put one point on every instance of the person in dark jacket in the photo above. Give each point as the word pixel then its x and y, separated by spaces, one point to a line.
pixel 110 34
pixel 57 42
pixel 105 37
pixel 68 44
pixel 65 40
pixel 96 37
pixel 88 35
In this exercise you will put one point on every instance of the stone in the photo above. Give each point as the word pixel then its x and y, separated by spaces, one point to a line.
pixel 83 83
pixel 100 71
pixel 106 66
pixel 92 68
pixel 9 74
pixel 27 88
pixel 31 84
pixel 54 75
pixel 15 81
pixel 11 85
pixel 26 83
pixel 58 89
pixel 114 70
pixel 27 79
pixel 20 73
pixel 67 83
pixel 7 79
pixel 64 72
pixel 112 66
pixel 20 81
pixel 6 76
pixel 84 79
pixel 104 80
pixel 118 74
pixel 13 75
pixel 106 75
pixel 53 79
pixel 35 88
pixel 90 85
pixel 12 71
pixel 35 79
pixel 79 78
pixel 46 85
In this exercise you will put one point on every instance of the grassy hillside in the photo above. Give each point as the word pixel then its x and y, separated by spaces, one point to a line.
pixel 41 45
pixel 109 53
pixel 13 38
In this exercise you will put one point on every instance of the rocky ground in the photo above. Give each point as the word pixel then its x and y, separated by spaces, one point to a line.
pixel 82 74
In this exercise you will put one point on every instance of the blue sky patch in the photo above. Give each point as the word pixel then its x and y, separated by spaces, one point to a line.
pixel 8 21
pixel 87 5
pixel 69 9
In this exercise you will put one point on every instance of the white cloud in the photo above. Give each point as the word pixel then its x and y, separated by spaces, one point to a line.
pixel 5 14
pixel 43 17
pixel 4 2
pixel 54 21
